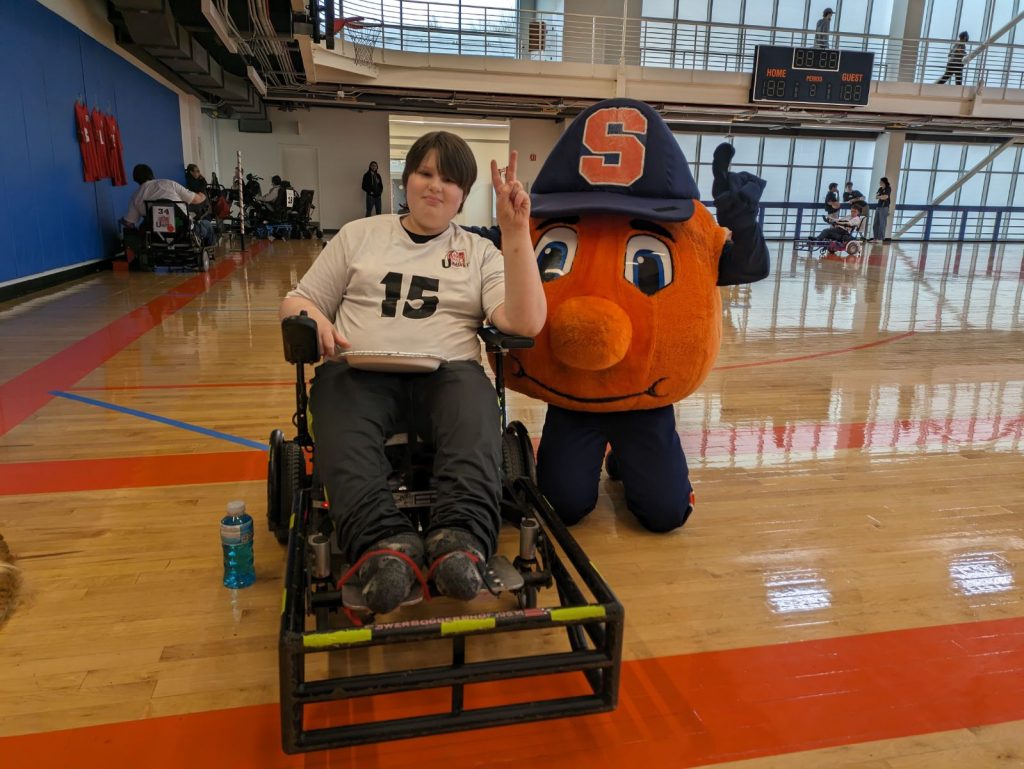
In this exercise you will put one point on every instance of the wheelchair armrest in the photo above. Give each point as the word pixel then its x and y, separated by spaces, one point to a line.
pixel 301 341
pixel 496 340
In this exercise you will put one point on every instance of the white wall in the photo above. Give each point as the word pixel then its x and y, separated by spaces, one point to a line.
pixel 345 140
pixel 533 138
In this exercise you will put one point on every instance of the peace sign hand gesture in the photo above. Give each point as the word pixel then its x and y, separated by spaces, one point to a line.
pixel 513 201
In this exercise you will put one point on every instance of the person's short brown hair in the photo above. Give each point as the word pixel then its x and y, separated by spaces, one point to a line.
pixel 455 159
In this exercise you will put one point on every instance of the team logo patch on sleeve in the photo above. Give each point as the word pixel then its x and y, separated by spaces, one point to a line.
pixel 455 259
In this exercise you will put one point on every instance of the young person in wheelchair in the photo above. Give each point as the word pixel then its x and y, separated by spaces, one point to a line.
pixel 415 288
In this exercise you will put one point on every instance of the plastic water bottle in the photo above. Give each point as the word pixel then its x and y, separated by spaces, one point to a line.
pixel 236 542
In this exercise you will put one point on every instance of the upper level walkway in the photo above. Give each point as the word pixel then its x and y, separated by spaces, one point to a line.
pixel 441 46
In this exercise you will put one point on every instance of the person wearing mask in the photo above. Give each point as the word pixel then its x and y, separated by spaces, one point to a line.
pixel 955 60
pixel 194 179
pixel 151 188
pixel 883 195
pixel 195 182
pixel 822 29
pixel 373 186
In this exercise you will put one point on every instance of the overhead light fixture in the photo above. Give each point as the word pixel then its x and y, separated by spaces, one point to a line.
pixel 256 80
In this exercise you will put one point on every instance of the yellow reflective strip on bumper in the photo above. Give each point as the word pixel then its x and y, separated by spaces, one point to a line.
pixel 284 598
pixel 456 626
pixel 576 612
pixel 353 636
pixel 291 522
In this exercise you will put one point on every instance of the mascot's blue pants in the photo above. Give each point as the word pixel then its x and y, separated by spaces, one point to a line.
pixel 651 462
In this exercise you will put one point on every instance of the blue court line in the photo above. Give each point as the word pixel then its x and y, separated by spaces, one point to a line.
pixel 163 420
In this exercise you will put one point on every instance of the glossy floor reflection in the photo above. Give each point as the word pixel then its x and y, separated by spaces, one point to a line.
pixel 847 593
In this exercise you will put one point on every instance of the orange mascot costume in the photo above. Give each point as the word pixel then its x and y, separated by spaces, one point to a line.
pixel 631 262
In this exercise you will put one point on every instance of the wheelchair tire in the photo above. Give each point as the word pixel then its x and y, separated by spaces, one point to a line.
pixel 517 453
pixel 292 476
pixel 274 481
pixel 853 248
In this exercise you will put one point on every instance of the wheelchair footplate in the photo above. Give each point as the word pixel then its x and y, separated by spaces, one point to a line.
pixel 499 576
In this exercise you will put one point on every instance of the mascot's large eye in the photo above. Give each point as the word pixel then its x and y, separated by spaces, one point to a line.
pixel 648 264
pixel 555 251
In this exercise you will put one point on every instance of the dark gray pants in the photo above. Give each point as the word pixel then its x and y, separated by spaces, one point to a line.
pixel 354 411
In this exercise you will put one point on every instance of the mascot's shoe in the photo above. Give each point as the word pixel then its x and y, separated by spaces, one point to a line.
pixel 456 563
pixel 387 577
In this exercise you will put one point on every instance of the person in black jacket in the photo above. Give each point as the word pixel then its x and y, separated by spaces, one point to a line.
pixel 373 186
pixel 955 60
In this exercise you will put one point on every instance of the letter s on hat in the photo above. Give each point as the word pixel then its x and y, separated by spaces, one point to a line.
pixel 603 167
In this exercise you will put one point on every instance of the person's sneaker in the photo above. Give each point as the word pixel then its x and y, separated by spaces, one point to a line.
pixel 456 560
pixel 387 579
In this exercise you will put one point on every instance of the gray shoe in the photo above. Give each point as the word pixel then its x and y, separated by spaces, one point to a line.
pixel 387 579
pixel 459 575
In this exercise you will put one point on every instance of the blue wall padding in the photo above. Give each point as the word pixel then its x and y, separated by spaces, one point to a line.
pixel 51 217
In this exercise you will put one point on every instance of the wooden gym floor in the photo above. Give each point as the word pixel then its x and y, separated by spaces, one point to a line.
pixel 847 594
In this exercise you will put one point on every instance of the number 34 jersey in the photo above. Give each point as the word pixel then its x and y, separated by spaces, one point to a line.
pixel 389 294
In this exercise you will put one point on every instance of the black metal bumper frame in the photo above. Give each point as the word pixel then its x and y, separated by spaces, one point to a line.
pixel 594 630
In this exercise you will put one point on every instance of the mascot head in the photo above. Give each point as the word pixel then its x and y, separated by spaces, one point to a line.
pixel 629 259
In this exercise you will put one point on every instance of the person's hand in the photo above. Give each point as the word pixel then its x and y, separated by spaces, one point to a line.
pixel 513 201
pixel 332 342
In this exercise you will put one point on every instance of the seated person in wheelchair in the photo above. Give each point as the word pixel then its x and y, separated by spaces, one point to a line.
pixel 846 228
pixel 418 284
pixel 270 198
pixel 164 189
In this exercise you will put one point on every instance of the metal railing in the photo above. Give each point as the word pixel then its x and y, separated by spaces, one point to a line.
pixel 428 26
pixel 958 224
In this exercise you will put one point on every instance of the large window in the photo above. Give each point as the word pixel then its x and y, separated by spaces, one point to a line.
pixel 930 168
pixel 476 27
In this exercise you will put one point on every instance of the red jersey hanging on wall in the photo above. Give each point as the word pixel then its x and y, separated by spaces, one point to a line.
pixel 115 158
pixel 99 130
pixel 87 142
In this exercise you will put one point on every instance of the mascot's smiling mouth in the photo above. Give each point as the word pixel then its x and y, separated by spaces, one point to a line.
pixel 650 391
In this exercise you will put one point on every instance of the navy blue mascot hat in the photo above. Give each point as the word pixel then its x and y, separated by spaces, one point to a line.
pixel 617 157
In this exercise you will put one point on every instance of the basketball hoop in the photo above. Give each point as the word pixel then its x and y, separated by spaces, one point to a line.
pixel 364 34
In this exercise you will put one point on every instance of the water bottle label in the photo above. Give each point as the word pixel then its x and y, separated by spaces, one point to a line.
pixel 236 533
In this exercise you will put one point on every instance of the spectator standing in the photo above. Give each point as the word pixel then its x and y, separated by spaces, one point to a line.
pixel 822 29
pixel 850 195
pixel 373 186
pixel 883 195
pixel 832 200
pixel 955 60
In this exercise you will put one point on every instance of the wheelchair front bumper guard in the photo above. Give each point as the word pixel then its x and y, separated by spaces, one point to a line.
pixel 594 629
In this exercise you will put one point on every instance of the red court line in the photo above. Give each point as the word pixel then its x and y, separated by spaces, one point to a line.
pixel 810 356
pixel 680 711
pixel 28 392
pixel 762 441
pixel 131 472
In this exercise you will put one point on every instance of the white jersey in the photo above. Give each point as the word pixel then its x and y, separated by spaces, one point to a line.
pixel 387 293
pixel 156 189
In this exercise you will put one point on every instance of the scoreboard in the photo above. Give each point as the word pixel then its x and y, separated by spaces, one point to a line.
pixel 811 76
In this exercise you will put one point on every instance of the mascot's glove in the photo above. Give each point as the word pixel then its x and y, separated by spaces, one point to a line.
pixel 736 195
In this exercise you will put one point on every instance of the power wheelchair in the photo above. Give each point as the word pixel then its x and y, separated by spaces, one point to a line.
pixel 319 617
pixel 168 241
